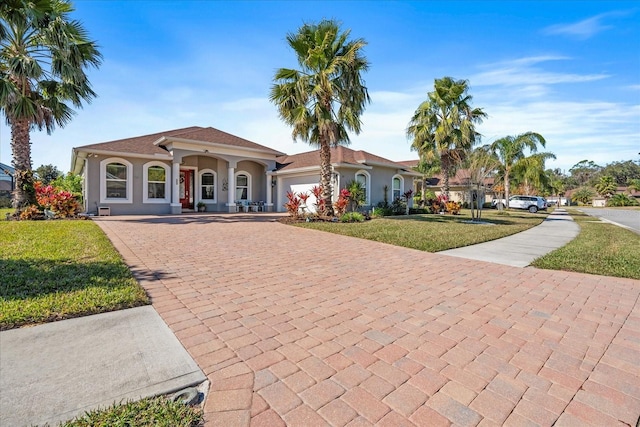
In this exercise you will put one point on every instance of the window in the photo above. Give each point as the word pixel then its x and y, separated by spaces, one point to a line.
pixel 155 183
pixel 396 187
pixel 363 178
pixel 115 181
pixel 207 185
pixel 243 186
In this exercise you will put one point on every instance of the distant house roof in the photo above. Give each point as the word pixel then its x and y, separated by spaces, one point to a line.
pixel 151 144
pixel 339 156
pixel 461 178
pixel 6 176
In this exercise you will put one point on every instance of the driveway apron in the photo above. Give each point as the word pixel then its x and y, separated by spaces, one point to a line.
pixel 302 328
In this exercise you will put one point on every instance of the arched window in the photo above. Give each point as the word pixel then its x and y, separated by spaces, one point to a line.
pixel 116 176
pixel 243 186
pixel 364 179
pixel 208 179
pixel 155 183
pixel 397 186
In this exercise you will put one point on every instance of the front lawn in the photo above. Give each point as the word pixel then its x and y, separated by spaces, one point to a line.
pixel 600 248
pixel 434 233
pixel 52 270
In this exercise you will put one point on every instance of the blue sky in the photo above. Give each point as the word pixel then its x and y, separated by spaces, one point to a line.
pixel 567 70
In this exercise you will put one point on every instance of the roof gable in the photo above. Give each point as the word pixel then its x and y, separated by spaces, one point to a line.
pixel 339 156
pixel 148 144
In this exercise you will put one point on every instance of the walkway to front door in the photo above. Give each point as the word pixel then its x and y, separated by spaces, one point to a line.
pixel 298 327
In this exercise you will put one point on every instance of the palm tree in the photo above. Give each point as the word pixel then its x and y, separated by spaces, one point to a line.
pixel 606 186
pixel 444 125
pixel 329 77
pixel 510 150
pixel 43 57
pixel 530 175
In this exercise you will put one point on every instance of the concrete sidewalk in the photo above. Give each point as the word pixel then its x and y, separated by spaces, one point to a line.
pixel 521 249
pixel 57 371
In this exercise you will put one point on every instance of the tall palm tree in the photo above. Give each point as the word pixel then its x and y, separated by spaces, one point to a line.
pixel 43 58
pixel 510 150
pixel 444 125
pixel 325 97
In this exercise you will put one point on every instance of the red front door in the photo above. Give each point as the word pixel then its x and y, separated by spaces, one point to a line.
pixel 186 189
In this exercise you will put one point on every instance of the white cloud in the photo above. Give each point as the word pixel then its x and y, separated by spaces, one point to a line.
pixel 531 80
pixel 583 30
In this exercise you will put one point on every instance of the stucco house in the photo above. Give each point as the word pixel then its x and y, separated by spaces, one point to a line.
pixel 173 171
pixel 381 178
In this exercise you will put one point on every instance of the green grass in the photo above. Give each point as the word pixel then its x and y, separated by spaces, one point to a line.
pixel 54 270
pixel 433 233
pixel 600 248
pixel 157 411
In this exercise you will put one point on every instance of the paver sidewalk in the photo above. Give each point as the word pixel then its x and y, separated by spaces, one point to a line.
pixel 302 328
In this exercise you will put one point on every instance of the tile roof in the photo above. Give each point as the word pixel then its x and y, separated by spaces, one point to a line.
pixel 339 155
pixel 145 144
pixel 461 178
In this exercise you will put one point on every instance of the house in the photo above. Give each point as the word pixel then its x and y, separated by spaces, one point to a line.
pixel 173 171
pixel 458 184
pixel 6 180
pixel 382 179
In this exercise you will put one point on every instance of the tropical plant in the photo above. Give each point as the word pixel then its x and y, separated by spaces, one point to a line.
pixel 71 183
pixel 43 58
pixel 510 150
pixel 633 185
pixel 329 77
pixel 352 217
pixel 622 200
pixel 443 126
pixel 529 174
pixel 293 204
pixel 453 207
pixel 583 195
pixel 606 186
pixel 357 195
pixel 342 203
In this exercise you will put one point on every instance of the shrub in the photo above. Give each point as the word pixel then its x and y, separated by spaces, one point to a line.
pixel 622 200
pixel 352 217
pixel 342 203
pixel 293 204
pixel 398 207
pixel 30 213
pixel 5 202
pixel 453 207
pixel 320 204
pixel 61 202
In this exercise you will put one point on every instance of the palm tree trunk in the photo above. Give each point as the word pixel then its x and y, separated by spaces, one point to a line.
pixel 325 177
pixel 23 193
pixel 445 178
pixel 507 189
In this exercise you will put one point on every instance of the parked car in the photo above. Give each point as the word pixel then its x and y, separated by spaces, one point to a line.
pixel 532 204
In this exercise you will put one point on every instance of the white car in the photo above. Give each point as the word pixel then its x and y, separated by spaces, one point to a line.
pixel 532 204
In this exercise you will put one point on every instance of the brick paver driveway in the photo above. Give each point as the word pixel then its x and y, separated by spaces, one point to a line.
pixel 301 328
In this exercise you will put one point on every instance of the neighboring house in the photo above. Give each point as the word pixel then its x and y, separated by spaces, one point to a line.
pixel 458 184
pixel 6 180
pixel 381 178
pixel 172 171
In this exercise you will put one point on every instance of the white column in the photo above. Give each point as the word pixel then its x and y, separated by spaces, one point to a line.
pixel 231 194
pixel 176 207
pixel 269 191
